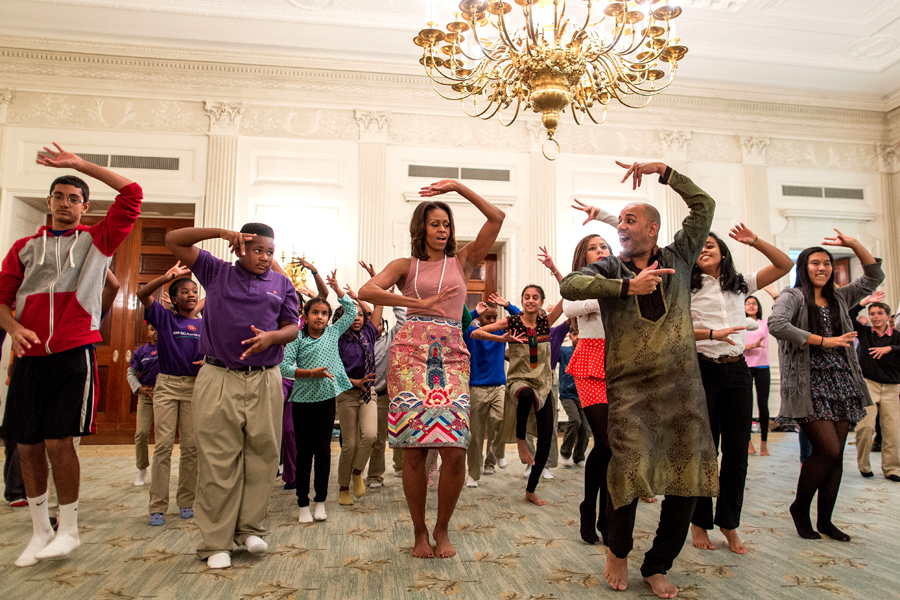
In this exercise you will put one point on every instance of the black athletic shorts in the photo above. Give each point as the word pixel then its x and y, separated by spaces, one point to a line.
pixel 52 397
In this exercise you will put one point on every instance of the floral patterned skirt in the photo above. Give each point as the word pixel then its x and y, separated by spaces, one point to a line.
pixel 428 383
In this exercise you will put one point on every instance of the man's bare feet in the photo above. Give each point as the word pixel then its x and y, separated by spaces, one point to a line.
pixel 661 586
pixel 524 453
pixel 763 449
pixel 752 449
pixel 422 549
pixel 616 572
pixel 534 498
pixel 734 542
pixel 701 540
pixel 443 547
pixel 651 500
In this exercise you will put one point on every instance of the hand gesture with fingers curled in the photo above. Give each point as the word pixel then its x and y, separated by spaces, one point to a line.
pixel 321 373
pixel 177 271
pixel 840 240
pixel 499 300
pixel 368 268
pixel 724 335
pixel 637 171
pixel 647 280
pixel 332 282
pixel 59 159
pixel 841 341
pixel 439 298
pixel 741 233
pixel 236 240
pixel 590 211
pixel 259 342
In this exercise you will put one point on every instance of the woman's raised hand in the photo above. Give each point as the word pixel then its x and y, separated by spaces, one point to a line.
pixel 441 187
pixel 840 240
pixel 545 259
pixel 741 233
pixel 591 211
pixel 440 297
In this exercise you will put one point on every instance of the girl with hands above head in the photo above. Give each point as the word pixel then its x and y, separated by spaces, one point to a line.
pixel 718 292
pixel 178 344
pixel 822 384
pixel 429 364
pixel 314 361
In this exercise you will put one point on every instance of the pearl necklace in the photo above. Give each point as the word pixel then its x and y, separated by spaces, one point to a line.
pixel 416 279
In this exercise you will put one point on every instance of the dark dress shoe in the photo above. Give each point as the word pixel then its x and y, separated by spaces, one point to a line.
pixel 894 477
pixel 864 474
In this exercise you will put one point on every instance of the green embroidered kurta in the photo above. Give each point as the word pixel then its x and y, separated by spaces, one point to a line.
pixel 659 429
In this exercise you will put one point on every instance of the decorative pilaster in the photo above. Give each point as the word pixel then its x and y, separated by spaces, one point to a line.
pixel 5 98
pixel 542 216
pixel 755 198
pixel 221 171
pixel 675 146
pixel 373 137
pixel 889 165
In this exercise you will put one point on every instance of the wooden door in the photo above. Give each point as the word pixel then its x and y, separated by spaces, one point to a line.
pixel 483 282
pixel 841 271
pixel 143 256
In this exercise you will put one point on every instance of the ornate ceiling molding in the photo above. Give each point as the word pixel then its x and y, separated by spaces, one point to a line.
pixel 224 117
pixel 754 149
pixel 5 99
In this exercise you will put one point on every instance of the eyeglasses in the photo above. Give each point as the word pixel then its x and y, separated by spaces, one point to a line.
pixel 59 198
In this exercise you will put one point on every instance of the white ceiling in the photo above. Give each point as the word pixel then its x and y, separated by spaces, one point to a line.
pixel 821 45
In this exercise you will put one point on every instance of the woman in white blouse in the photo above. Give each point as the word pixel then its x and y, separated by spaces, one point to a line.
pixel 717 308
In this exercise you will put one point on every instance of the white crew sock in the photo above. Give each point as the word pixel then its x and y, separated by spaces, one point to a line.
pixel 320 512
pixel 66 538
pixel 305 515
pixel 255 545
pixel 42 531
pixel 220 560
pixel 141 478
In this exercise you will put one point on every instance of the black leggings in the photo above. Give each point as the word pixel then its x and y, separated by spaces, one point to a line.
pixel 595 489
pixel 822 471
pixel 526 401
pixel 762 380
pixel 313 424
pixel 674 522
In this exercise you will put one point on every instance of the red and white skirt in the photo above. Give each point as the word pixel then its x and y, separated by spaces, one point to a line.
pixel 587 367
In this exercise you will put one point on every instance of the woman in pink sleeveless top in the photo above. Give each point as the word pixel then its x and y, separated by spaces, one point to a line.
pixel 428 372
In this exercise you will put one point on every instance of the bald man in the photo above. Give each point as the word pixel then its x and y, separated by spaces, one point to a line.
pixel 659 429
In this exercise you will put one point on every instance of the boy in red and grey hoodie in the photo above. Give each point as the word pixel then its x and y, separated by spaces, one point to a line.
pixel 55 280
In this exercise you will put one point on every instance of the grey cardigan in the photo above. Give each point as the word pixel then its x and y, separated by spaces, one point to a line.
pixel 788 323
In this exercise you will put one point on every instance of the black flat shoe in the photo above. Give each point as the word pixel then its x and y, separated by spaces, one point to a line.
pixel 588 533
pixel 870 474
pixel 894 477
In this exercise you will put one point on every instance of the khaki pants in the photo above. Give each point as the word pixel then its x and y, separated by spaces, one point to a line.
pixel 359 424
pixel 142 431
pixel 173 406
pixel 485 416
pixel 886 402
pixel 377 460
pixel 237 425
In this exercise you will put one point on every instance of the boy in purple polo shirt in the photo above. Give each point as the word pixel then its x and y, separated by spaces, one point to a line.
pixel 142 371
pixel 251 312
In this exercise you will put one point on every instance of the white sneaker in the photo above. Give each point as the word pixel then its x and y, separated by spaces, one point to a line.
pixel 527 471
pixel 305 515
pixel 471 483
pixel 566 462
pixel 502 463
pixel 220 560
pixel 255 545
pixel 547 474
pixel 376 484
pixel 141 478
pixel 488 470
pixel 580 463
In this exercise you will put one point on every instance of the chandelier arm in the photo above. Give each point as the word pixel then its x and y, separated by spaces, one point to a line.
pixel 587 19
pixel 496 110
pixel 481 114
pixel 529 23
pixel 591 115
pixel 504 32
pixel 575 111
pixel 515 116
pixel 557 18
pixel 484 50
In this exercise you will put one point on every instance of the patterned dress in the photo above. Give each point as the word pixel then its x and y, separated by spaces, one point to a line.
pixel 834 395
pixel 529 366
pixel 428 371
pixel 659 429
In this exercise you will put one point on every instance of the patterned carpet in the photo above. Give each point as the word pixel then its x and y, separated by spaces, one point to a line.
pixel 508 549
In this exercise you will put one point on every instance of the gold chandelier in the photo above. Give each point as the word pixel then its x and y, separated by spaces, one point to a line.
pixel 545 60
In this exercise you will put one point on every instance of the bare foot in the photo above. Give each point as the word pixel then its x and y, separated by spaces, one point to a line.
pixel 422 549
pixel 616 572
pixel 524 453
pixel 443 547
pixel 701 540
pixel 661 587
pixel 752 449
pixel 763 449
pixel 532 497
pixel 652 500
pixel 734 542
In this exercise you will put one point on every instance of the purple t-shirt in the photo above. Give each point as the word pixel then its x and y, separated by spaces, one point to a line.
pixel 352 353
pixel 236 300
pixel 557 337
pixel 146 361
pixel 178 341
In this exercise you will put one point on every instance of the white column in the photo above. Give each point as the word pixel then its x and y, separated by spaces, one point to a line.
pixel 221 171
pixel 5 98
pixel 674 210
pixel 373 126
pixel 541 218
pixel 755 199
pixel 889 159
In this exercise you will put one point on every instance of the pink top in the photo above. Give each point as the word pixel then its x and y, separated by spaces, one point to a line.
pixel 427 284
pixel 758 357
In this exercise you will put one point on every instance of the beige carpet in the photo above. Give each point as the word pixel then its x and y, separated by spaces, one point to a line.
pixel 508 549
